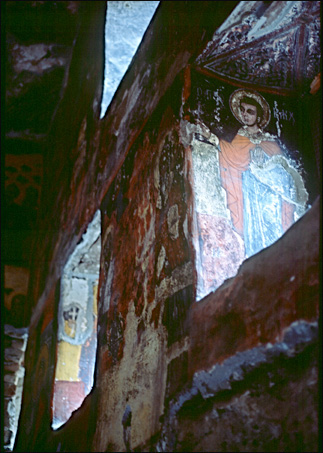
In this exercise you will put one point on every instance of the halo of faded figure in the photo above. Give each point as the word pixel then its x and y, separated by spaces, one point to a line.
pixel 248 192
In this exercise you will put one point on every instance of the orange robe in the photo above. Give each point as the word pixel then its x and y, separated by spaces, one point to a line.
pixel 234 160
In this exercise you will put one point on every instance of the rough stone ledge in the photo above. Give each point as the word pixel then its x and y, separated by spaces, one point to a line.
pixel 207 384
pixel 297 337
pixel 14 332
pixel 224 379
pixel 13 355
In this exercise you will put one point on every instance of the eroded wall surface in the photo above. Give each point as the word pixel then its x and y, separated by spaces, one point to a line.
pixel 147 283
pixel 253 377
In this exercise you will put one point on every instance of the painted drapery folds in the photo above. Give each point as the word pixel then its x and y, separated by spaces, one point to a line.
pixel 248 190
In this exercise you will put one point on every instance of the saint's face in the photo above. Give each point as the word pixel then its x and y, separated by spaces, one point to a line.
pixel 248 114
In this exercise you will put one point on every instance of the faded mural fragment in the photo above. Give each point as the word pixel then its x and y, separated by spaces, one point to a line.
pixel 248 191
pixel 77 321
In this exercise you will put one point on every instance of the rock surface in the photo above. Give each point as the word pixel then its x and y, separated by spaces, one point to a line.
pixel 126 22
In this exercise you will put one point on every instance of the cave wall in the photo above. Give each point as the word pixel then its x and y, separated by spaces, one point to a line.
pixel 252 366
pixel 81 159
pixel 144 309
pixel 154 341
pixel 49 49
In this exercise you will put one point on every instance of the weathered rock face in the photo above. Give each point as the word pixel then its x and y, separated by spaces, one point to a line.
pixel 238 319
pixel 44 44
pixel 171 374
pixel 143 311
pixel 252 357
pixel 37 64
pixel 38 55
pixel 273 408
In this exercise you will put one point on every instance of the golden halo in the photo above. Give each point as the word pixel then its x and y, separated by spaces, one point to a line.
pixel 234 103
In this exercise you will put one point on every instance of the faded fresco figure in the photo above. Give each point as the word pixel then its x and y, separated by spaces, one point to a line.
pixel 259 194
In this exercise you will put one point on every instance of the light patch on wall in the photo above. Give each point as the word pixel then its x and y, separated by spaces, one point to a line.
pixel 77 323
pixel 126 23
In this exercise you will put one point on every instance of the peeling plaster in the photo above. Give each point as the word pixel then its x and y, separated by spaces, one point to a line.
pixel 161 260
pixel 139 381
pixel 173 221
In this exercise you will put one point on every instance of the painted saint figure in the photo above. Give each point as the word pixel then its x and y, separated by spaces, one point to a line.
pixel 261 189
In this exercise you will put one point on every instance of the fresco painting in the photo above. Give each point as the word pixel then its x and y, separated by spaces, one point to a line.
pixel 248 189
